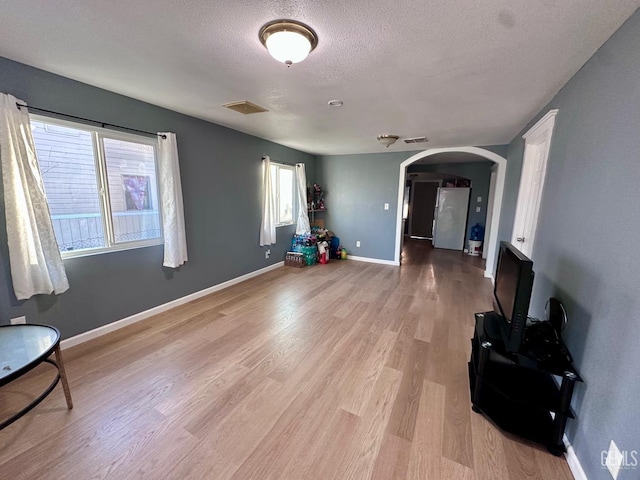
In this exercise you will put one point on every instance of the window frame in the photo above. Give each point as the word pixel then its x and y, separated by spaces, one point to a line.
pixel 276 181
pixel 98 134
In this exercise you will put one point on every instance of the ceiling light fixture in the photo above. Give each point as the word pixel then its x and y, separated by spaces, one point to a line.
pixel 288 41
pixel 387 140
pixel 335 103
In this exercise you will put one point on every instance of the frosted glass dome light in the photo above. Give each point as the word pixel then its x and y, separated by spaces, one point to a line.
pixel 288 41
pixel 288 47
pixel 387 140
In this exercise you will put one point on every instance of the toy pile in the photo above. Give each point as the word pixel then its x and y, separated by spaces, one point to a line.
pixel 307 245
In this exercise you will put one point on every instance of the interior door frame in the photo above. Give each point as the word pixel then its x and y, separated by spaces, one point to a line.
pixel 413 182
pixel 492 242
pixel 534 168
pixel 490 202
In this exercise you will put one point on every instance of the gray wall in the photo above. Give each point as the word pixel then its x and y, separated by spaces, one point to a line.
pixel 586 249
pixel 480 175
pixel 357 187
pixel 221 183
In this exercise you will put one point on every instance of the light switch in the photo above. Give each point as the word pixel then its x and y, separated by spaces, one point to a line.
pixel 386 206
pixel 479 199
pixel 478 209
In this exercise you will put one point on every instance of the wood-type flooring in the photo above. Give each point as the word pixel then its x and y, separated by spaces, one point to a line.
pixel 348 370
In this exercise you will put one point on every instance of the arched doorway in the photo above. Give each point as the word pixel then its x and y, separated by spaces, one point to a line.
pixel 492 235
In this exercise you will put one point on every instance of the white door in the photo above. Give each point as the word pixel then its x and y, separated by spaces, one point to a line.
pixel 534 167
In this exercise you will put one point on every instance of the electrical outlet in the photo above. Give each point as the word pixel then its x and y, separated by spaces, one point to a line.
pixel 18 321
pixel 267 254
pixel 478 209
pixel 479 199
pixel 358 244
pixel 614 460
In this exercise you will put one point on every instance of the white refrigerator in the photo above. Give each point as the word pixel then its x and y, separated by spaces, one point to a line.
pixel 450 224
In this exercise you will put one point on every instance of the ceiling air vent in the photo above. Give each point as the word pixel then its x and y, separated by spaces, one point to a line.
pixel 416 140
pixel 245 107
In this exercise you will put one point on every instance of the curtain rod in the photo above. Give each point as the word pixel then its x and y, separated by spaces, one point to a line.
pixel 285 163
pixel 103 124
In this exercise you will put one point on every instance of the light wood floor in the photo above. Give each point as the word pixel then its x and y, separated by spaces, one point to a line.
pixel 342 371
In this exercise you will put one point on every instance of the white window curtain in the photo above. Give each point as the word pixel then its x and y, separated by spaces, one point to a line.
pixel 268 225
pixel 173 229
pixel 303 216
pixel 36 263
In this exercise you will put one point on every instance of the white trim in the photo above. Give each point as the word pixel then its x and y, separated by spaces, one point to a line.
pixel 532 179
pixel 374 260
pixel 490 277
pixel 118 247
pixel 276 181
pixel 110 327
pixel 540 129
pixel 489 208
pixel 501 163
pixel 573 461
pixel 106 215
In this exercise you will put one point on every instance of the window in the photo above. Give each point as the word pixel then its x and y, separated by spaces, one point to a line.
pixel 101 186
pixel 282 182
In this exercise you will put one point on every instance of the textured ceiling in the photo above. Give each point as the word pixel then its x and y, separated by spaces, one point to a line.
pixel 461 72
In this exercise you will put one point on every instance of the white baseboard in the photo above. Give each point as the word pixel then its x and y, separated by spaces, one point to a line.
pixel 570 455
pixel 110 327
pixel 489 275
pixel 573 461
pixel 373 260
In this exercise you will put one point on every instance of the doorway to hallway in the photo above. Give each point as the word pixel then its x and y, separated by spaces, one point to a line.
pixel 423 205
pixel 418 252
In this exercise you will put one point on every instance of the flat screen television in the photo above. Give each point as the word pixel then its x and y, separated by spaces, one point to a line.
pixel 511 294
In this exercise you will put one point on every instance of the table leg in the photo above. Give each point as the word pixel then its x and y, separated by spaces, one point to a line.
pixel 63 378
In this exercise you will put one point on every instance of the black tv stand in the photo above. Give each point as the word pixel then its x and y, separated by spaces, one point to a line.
pixel 517 391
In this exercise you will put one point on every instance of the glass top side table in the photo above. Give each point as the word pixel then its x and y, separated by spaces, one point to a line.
pixel 24 347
